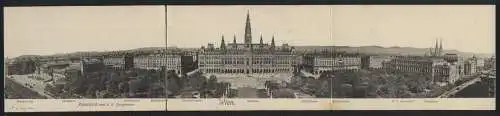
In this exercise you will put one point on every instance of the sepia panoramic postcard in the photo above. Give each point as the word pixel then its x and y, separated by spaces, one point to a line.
pixel 255 57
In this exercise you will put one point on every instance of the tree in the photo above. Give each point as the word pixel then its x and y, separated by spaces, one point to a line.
pixel 325 89
pixel 123 87
pixel 220 89
pixel 297 82
pixel 312 85
pixel 196 82
pixel 174 82
pixel 56 90
pixel 91 91
pixel 271 85
pixel 347 93
pixel 325 85
pixel 211 82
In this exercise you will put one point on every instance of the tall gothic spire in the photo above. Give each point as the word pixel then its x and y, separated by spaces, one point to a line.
pixel 272 43
pixel 234 38
pixel 248 31
pixel 234 41
pixel 436 48
pixel 440 46
pixel 222 43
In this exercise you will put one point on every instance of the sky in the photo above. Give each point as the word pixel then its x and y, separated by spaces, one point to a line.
pixel 463 28
pixel 62 29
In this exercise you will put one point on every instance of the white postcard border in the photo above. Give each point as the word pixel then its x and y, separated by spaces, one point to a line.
pixel 217 104
pixel 333 104
pixel 75 105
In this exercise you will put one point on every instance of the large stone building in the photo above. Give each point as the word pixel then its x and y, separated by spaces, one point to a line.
pixel 490 63
pixel 472 65
pixel 374 62
pixel 444 69
pixel 121 62
pixel 91 64
pixel 21 66
pixel 412 64
pixel 247 58
pixel 158 61
pixel 440 66
pixel 317 63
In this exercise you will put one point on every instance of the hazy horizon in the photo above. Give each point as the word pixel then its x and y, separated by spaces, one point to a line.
pixel 465 28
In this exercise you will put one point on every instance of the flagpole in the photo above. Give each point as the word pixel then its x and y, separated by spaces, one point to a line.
pixel 165 69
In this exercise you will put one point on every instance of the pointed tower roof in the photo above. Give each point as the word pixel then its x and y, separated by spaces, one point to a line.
pixel 248 30
pixel 222 43
pixel 272 42
pixel 234 38
pixel 261 41
pixel 436 48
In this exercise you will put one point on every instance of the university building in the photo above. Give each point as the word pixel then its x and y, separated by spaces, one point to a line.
pixel 247 58
pixel 442 68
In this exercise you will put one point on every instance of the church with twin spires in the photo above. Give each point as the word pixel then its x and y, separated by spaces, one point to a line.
pixel 247 58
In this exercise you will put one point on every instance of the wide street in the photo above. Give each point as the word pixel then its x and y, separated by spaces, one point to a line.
pixel 37 85
pixel 458 88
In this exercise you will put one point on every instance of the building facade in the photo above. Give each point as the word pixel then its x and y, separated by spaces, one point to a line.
pixel 91 64
pixel 318 63
pixel 411 64
pixel 115 62
pixel 490 63
pixel 374 62
pixel 470 67
pixel 120 62
pixel 158 61
pixel 21 66
pixel 439 66
pixel 445 69
pixel 247 58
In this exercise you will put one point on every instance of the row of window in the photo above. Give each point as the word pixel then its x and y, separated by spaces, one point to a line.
pixel 246 70
pixel 114 62
pixel 202 62
pixel 245 56
pixel 324 71
pixel 337 60
pixel 153 66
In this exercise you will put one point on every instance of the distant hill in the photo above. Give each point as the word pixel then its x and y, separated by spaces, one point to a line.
pixel 362 49
pixel 384 50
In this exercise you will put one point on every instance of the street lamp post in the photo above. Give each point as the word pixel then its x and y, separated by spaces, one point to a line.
pixel 341 62
pixel 331 87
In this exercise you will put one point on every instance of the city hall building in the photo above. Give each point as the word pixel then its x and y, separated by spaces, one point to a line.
pixel 247 58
